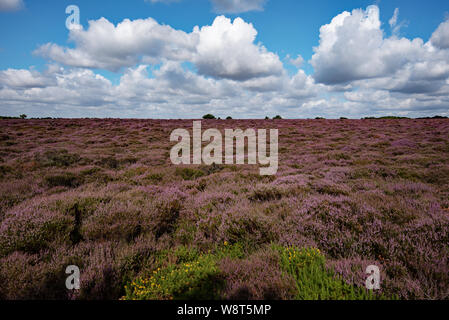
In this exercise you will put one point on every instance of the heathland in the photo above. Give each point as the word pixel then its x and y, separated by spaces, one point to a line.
pixel 102 194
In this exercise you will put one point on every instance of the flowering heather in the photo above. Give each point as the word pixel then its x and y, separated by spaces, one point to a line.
pixel 104 195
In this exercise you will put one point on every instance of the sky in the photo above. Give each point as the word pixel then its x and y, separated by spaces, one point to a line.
pixel 239 58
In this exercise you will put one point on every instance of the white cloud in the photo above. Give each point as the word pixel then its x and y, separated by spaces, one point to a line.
pixel 358 71
pixel 237 6
pixel 106 46
pixel 297 62
pixel 353 48
pixel 22 79
pixel 394 19
pixel 170 91
pixel 226 49
pixel 11 5
pixel 395 25
pixel 348 47
pixel 440 38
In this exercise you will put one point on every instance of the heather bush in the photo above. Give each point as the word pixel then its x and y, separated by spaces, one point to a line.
pixel 256 277
pixel 103 194
pixel 42 226
pixel 35 276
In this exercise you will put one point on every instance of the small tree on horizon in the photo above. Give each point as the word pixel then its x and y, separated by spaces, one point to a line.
pixel 278 117
pixel 23 116
pixel 209 116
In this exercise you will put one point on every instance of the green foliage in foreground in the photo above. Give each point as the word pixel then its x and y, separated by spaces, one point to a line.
pixel 197 279
pixel 316 282
pixel 194 276
pixel 197 276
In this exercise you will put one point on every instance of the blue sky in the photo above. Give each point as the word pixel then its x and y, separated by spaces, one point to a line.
pixel 266 83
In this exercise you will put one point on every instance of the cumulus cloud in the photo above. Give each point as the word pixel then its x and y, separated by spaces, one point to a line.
pixel 11 5
pixel 222 69
pixel 226 49
pixel 237 6
pixel 353 48
pixel 440 38
pixel 106 46
pixel 170 91
pixel 23 79
pixel 348 47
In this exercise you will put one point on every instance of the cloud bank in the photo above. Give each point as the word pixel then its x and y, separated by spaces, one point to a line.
pixel 221 68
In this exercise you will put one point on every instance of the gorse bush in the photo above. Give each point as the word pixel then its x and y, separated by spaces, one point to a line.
pixel 192 276
pixel 198 279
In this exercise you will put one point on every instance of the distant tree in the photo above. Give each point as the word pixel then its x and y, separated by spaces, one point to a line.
pixel 267 118
pixel 343 118
pixel 319 118
pixel 23 116
pixel 277 117
pixel 209 116
pixel 228 118
pixel 392 117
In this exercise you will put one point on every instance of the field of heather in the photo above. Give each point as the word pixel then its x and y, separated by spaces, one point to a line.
pixel 103 195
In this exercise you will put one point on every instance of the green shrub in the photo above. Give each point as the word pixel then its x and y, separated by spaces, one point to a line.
pixel 313 280
pixel 189 173
pixel 5 170
pixel 155 177
pixel 209 116
pixel 66 179
pixel 192 277
pixel 57 158
pixel 265 194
